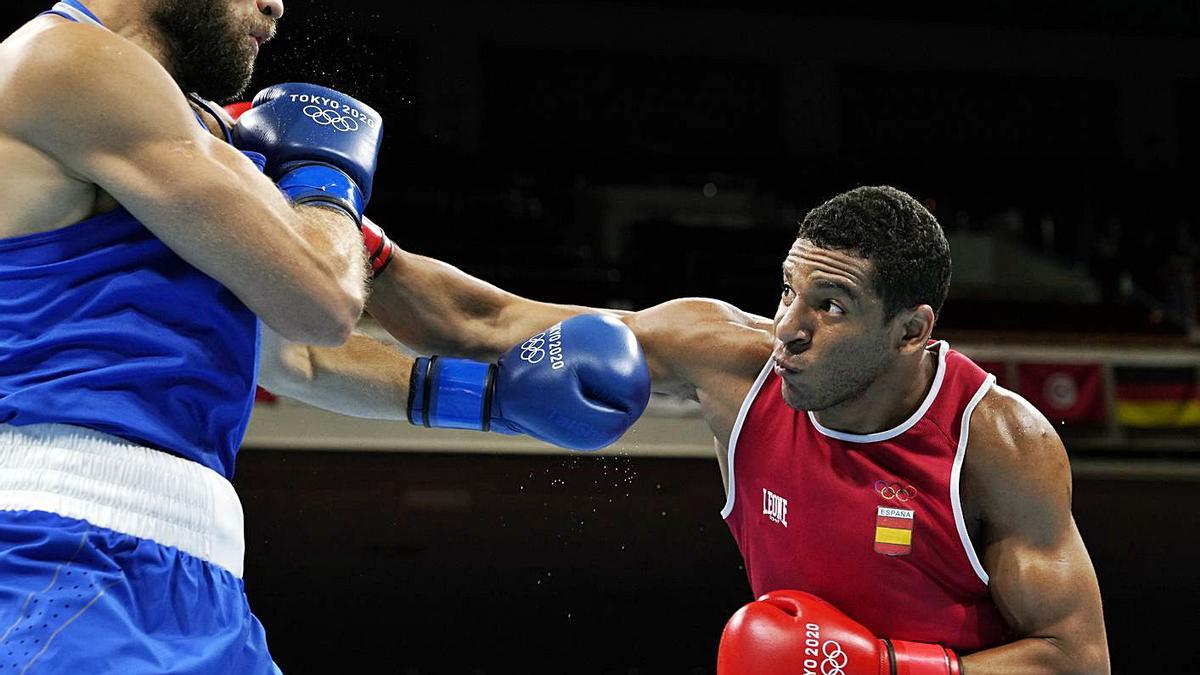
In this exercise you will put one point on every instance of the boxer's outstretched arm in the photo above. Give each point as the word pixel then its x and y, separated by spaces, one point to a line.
pixel 1041 576
pixel 694 347
pixel 436 308
pixel 113 117
pixel 582 388
pixel 688 343
pixel 691 344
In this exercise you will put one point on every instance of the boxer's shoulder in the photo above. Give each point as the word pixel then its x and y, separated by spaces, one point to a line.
pixel 38 66
pixel 58 50
pixel 72 98
pixel 1007 429
pixel 75 72
pixel 1014 458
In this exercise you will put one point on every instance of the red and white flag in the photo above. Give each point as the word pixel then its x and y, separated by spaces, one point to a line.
pixel 1065 393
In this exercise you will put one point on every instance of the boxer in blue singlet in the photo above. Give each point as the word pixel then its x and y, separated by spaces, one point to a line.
pixel 143 236
pixel 137 253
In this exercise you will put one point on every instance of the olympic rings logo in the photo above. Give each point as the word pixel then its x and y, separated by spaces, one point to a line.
pixel 835 659
pixel 329 118
pixel 890 491
pixel 531 349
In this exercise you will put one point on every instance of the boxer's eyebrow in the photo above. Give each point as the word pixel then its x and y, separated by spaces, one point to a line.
pixel 844 288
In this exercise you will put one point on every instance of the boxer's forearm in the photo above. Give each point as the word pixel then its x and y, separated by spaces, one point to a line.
pixel 434 307
pixel 335 235
pixel 1038 656
pixel 329 238
pixel 362 378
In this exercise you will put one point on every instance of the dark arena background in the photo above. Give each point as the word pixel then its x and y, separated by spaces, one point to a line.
pixel 620 154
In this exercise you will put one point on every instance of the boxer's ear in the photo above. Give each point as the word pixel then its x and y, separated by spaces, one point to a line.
pixel 917 326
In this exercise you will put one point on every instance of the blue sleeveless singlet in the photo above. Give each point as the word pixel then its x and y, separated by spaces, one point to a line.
pixel 102 326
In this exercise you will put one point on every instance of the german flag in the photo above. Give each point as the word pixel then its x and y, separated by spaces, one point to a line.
pixel 1158 398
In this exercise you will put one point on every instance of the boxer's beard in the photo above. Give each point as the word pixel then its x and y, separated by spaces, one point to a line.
pixel 208 50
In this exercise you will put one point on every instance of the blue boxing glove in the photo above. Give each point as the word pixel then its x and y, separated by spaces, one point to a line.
pixel 321 146
pixel 580 385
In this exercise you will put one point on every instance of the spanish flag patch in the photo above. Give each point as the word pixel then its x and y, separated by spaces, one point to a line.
pixel 893 531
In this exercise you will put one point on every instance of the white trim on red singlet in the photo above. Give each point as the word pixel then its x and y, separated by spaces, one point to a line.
pixel 956 474
pixel 731 489
pixel 907 424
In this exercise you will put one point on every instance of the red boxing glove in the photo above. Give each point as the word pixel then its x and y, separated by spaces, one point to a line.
pixel 795 633
pixel 380 249
pixel 235 110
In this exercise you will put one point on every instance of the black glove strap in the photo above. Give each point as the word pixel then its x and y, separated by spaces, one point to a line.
pixel 891 656
pixel 489 392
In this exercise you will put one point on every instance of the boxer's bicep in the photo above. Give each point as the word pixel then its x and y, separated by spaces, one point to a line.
pixel 111 116
pixel 210 205
pixel 1040 575
pixel 1049 595
pixel 696 344
pixel 436 308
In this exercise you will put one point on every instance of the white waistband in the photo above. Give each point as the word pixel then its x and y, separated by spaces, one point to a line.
pixel 114 484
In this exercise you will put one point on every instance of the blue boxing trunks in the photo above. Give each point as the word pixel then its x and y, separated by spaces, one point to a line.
pixel 115 558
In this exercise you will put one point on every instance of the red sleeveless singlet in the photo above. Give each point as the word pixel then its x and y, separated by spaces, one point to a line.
pixel 870 522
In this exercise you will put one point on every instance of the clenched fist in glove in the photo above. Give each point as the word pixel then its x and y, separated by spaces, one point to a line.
pixel 796 633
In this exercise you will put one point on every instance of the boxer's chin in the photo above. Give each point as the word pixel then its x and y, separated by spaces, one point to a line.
pixel 794 397
pixel 208 50
pixel 810 398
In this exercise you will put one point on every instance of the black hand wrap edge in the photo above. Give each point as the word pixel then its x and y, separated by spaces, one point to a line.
pixel 489 392
pixel 425 390
pixel 412 389
pixel 428 391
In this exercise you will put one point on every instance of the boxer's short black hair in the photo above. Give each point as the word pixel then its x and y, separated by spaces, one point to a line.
pixel 897 234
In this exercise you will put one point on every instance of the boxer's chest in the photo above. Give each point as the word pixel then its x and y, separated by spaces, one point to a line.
pixel 811 508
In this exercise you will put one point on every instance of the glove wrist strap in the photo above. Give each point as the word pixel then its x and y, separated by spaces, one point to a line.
pixel 920 658
pixel 446 393
pixel 259 159
pixel 313 183
pixel 380 249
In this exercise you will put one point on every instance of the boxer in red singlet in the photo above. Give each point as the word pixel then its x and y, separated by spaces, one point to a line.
pixel 898 511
